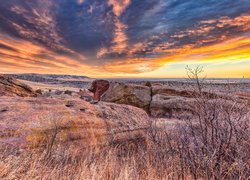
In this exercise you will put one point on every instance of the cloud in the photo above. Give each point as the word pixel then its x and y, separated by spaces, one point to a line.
pixel 80 2
pixel 118 36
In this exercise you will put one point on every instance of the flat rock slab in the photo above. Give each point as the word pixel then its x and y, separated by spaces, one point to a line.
pixel 35 122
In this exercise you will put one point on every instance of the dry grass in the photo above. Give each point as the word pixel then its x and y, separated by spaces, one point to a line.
pixel 109 163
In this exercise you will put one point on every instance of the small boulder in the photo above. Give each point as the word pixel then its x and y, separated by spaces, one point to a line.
pixel 85 95
pixel 70 104
pixel 86 98
pixel 58 92
pixel 68 92
pixel 4 109
pixel 39 91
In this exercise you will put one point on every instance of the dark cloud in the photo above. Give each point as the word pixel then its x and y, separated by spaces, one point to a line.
pixel 6 47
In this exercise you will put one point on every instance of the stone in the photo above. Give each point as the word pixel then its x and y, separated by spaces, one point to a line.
pixel 85 95
pixel 68 92
pixel 83 110
pixel 4 109
pixel 87 98
pixel 70 104
pixel 94 102
pixel 58 92
pixel 39 91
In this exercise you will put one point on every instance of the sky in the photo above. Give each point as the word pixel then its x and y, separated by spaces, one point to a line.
pixel 125 38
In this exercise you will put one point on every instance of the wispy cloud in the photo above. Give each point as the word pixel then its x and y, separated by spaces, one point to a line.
pixel 119 42
pixel 39 24
pixel 119 6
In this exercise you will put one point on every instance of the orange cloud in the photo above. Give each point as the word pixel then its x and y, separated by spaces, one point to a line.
pixel 119 43
pixel 119 6
pixel 23 56
pixel 234 49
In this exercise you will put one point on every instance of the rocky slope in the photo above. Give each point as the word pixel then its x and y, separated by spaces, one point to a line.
pixel 12 87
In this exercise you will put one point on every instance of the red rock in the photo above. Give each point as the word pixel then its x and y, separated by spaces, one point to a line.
pixel 98 88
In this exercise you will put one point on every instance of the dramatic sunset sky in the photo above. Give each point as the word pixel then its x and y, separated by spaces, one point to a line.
pixel 125 38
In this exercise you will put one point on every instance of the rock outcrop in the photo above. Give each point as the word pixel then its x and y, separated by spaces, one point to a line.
pixel 36 122
pixel 98 88
pixel 12 87
pixel 156 100
pixel 130 94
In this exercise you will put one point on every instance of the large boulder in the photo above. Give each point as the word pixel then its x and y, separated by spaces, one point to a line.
pixel 131 94
pixel 12 87
pixel 98 87
pixel 40 122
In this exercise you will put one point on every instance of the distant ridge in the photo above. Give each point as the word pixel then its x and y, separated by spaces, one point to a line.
pixel 54 79
pixel 26 75
pixel 46 78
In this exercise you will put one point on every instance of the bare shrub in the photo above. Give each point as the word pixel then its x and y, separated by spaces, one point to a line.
pixel 214 143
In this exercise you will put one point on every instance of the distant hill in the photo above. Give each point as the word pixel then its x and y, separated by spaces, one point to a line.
pixel 54 79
